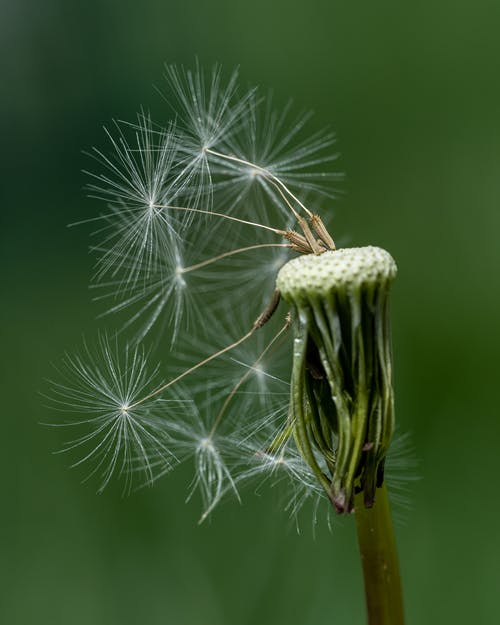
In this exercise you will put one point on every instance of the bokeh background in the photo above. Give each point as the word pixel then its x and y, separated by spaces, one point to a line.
pixel 412 91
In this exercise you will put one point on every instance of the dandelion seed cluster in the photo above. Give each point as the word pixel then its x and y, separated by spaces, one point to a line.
pixel 201 214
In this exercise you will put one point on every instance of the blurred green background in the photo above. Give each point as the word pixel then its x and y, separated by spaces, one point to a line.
pixel 412 91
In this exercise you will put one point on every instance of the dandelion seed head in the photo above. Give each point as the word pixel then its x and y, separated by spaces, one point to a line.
pixel 210 108
pixel 273 140
pixel 166 300
pixel 141 174
pixel 201 215
pixel 210 111
pixel 212 453
pixel 283 469
pixel 114 435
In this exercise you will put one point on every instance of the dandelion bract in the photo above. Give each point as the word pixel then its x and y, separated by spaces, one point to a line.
pixel 201 212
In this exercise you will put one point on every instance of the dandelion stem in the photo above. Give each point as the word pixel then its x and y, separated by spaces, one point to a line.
pixel 209 261
pixel 196 366
pixel 379 559
pixel 285 199
pixel 215 214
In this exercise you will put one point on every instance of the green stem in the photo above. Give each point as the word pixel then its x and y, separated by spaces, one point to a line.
pixel 377 547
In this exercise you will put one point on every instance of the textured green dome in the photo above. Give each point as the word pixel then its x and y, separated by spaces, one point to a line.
pixel 346 268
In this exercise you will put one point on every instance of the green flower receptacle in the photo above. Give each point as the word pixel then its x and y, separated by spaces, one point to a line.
pixel 342 407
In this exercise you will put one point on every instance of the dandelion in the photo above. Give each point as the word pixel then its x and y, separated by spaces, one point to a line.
pixel 269 457
pixel 140 175
pixel 210 448
pixel 269 148
pixel 118 437
pixel 160 298
pixel 210 113
pixel 209 226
